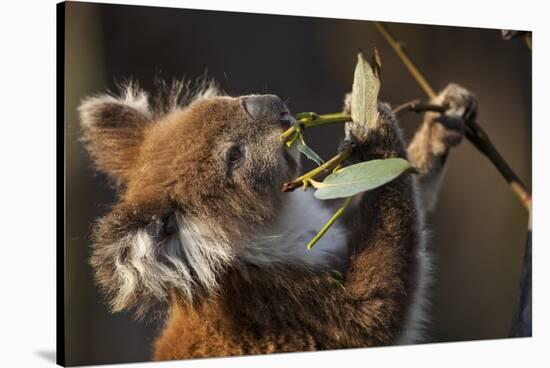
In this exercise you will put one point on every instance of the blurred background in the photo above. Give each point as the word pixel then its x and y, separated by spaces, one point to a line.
pixel 479 228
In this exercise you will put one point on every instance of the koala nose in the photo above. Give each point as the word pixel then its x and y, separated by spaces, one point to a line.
pixel 267 108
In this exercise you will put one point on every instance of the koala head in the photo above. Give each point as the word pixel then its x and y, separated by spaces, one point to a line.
pixel 196 176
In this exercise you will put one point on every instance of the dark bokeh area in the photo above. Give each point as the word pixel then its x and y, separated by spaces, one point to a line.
pixel 478 231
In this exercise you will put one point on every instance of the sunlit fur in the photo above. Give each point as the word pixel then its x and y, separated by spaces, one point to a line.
pixel 217 245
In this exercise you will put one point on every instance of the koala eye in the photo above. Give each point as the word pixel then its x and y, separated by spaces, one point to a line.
pixel 235 155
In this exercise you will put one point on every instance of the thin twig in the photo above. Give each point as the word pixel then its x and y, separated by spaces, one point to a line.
pixel 330 222
pixel 419 106
pixel 474 133
pixel 399 49
pixel 327 166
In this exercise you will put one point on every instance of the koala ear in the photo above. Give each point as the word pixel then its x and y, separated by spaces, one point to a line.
pixel 142 252
pixel 136 258
pixel 113 128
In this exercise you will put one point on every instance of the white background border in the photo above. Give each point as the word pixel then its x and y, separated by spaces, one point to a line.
pixel 27 179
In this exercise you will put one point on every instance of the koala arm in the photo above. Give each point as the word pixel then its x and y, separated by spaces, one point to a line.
pixel 386 238
pixel 438 133
pixel 384 235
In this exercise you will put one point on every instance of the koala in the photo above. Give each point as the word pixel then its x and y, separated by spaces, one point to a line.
pixel 202 230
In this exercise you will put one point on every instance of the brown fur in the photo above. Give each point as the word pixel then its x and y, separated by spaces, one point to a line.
pixel 176 165
pixel 296 309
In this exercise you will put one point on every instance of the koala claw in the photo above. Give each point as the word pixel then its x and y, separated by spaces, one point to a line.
pixel 461 102
pixel 462 106
pixel 349 142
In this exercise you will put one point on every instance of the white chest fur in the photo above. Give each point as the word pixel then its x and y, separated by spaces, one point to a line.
pixel 300 218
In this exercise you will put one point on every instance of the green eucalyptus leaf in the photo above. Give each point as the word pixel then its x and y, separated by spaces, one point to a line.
pixel 309 153
pixel 364 93
pixel 361 177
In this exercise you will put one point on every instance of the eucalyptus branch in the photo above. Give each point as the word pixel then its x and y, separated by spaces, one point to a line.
pixel 474 133
pixel 481 141
pixel 305 179
pixel 354 179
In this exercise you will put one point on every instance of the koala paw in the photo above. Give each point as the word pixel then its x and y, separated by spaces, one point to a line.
pixel 461 102
pixel 382 140
pixel 356 132
pixel 447 129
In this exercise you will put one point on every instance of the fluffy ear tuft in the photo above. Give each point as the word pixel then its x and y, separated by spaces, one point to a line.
pixel 141 253
pixel 206 90
pixel 113 128
pixel 181 93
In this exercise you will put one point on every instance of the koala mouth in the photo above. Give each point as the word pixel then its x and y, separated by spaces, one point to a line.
pixel 291 159
pixel 292 163
pixel 286 120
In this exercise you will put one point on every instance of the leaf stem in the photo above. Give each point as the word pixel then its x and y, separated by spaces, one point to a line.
pixel 293 139
pixel 313 120
pixel 329 223
pixel 328 119
pixel 327 166
pixel 474 133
